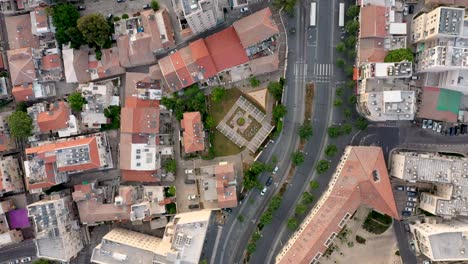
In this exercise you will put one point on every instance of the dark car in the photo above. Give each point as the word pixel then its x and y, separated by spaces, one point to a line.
pixel 411 194
pixel 406 213
pixel 269 181
pixel 120 1
pixel 411 9
pixel 463 129
pixel 457 130
pixel 229 210
pixel 194 206
pixel 451 131
pixel 147 6
pixel 81 7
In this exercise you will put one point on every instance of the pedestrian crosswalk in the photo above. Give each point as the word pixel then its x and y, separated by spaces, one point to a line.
pixel 322 69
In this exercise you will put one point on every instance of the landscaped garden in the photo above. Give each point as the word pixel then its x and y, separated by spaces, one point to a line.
pixel 377 223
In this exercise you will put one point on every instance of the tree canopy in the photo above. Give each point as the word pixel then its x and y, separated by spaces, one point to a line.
pixel 322 166
pixel 399 55
pixel 297 158
pixel 254 82
pixel 64 18
pixel 352 26
pixel 20 124
pixel 95 29
pixel 171 165
pixel 334 131
pixel 292 223
pixel 193 99
pixel 353 11
pixel 305 131
pixel 275 89
pixel 113 113
pixel 154 5
pixel 331 150
pixel 76 101
pixel 279 111
pixel 218 94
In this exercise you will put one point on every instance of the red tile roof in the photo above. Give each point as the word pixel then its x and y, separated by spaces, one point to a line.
pixel 373 21
pixel 256 28
pixel 22 69
pixel 51 61
pixel 361 179
pixel 226 50
pixel 371 51
pixel 202 57
pixel 193 132
pixel 55 118
pixel 139 120
pixel 139 176
pixel 19 32
pixel 23 93
pixel 181 69
pixel 226 186
pixel 134 102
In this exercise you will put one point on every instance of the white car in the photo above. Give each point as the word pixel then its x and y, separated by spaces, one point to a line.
pixel 244 9
pixel 275 170
pixel 439 128
pixel 405 10
pixel 188 171
pixel 192 197
pixel 27 259
pixel 412 199
pixel 435 126
pixel 263 191
pixel 409 209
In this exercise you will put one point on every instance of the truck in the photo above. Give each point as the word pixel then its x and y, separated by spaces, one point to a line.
pixel 313 14
pixel 342 15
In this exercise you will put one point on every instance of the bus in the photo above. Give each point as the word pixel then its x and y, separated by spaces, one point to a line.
pixel 313 13
pixel 341 17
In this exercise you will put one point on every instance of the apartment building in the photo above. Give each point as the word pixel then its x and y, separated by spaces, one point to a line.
pixel 360 179
pixel 11 180
pixel 182 243
pixel 441 240
pixel 57 231
pixel 53 117
pixel 50 163
pixel 151 204
pixel 440 22
pixel 218 186
pixel 201 15
pixel 448 174
pixel 193 135
pixel 98 97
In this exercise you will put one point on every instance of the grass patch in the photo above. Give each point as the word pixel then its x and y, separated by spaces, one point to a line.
pixel 223 146
pixel 377 223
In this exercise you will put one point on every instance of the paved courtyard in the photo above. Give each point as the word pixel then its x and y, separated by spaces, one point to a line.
pixel 245 125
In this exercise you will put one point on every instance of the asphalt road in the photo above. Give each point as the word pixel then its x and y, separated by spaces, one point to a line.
pixel 23 249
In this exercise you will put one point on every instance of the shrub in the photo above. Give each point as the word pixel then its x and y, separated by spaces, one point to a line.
pixel 399 55
pixel 307 198
pixel 314 185
pixel 360 240
pixel 297 158
pixel 300 209
pixel 331 150
pixel 154 5
pixel 305 131
pixel 322 166
pixel 124 16
pixel 334 131
pixel 254 82
pixel 347 129
pixel 292 223
pixel 240 218
pixel 338 102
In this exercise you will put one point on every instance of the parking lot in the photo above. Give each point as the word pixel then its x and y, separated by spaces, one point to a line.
pixel 113 7
pixel 407 196
pixel 444 128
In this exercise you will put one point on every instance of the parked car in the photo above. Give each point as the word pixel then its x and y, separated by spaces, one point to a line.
pixel 411 188
pixel 429 124
pixel 27 259
pixel 411 194
pixel 244 9
pixel 275 170
pixel 451 131
pixel 435 125
pixel 405 213
pixel 411 9
pixel 410 204
pixel 400 188
pixel 263 191
pixel 194 206
pixel 412 199
pixel 192 197
pixel 188 171
pixel 147 6
pixel 409 209
pixel 405 10
pixel 269 181
pixel 439 128
pixel 187 181
pixel 120 1
pixel 229 210
pixel 424 124
pixel 81 7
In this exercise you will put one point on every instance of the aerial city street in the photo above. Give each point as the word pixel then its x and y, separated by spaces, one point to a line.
pixel 234 131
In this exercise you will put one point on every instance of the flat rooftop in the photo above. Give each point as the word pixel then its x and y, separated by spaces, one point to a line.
pixel 391 105
pixel 451 21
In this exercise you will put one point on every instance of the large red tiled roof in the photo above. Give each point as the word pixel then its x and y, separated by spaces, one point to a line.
pixel 373 21
pixel 256 28
pixel 135 102
pixel 226 50
pixel 361 179
pixel 55 118
pixel 139 176
pixel 23 93
pixel 139 120
pixel 225 185
pixel 181 69
pixel 51 61
pixel 193 132
pixel 202 57
pixel 22 69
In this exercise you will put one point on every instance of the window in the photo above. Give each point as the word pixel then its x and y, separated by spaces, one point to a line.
pixel 138 164
pixel 138 151
pixel 138 156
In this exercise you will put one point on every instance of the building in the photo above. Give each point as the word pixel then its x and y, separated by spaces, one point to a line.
pixel 459 3
pixel 360 179
pixel 440 104
pixel 19 31
pixel 75 63
pixel 182 243
pixel 53 117
pixel 11 180
pixel 202 15
pixel 98 204
pixel 441 240
pixel 218 186
pixel 50 163
pixel 57 231
pixel 40 24
pixel 193 135
pixel 152 203
pixel 440 22
pixel 8 235
pixel 22 69
pixel 448 174
pixel 33 91
pixel 108 66
pixel 140 38
pixel 98 97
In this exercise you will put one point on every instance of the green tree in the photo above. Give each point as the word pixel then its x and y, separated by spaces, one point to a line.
pixel 154 5
pixel 251 247
pixel 361 123
pixel 340 63
pixel 275 89
pixel 192 100
pixel 305 131
pixel 21 106
pixel 339 91
pixel 322 166
pixel 256 236
pixel 20 124
pixel 337 102
pixel 210 122
pixel 254 82
pixel 64 17
pixel 203 261
pixel 124 16
pixel 351 84
pixel 113 113
pixel 218 94
pixel 340 47
pixel 347 112
pixel 334 131
pixel 275 203
pixel 251 175
pixel 240 218
pixel 307 198
pixel 42 261
pixel 352 26
pixel 267 217
pixel 351 54
pixel 170 191
pixel 351 41
pixel 75 36
pixel 300 209
pixel 279 111
pixel 347 129
pixel 95 29
pixel 353 11
pixel 314 184
pixel 297 158
pixel 352 99
pixel 292 223
pixel 399 55
pixel 76 101
pixel 331 150
pixel 349 70
pixel 171 165
pixel 116 18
